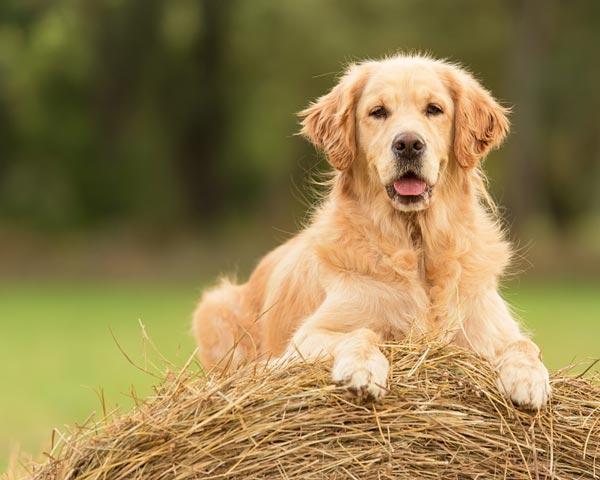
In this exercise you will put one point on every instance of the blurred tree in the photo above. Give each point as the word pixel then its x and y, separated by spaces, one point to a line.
pixel 123 40
pixel 554 158
pixel 182 111
pixel 206 113
pixel 525 184
pixel 571 115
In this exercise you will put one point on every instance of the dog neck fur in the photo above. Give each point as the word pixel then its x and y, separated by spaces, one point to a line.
pixel 425 240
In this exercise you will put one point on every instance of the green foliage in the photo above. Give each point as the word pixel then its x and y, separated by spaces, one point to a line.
pixel 183 111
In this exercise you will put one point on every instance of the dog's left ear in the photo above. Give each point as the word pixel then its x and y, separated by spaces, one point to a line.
pixel 480 123
pixel 329 122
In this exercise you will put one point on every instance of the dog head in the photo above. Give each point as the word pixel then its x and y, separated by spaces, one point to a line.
pixel 400 122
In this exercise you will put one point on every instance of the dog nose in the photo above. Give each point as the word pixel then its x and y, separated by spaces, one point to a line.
pixel 408 146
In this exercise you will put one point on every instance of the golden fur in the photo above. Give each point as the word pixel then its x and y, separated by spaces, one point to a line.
pixel 370 269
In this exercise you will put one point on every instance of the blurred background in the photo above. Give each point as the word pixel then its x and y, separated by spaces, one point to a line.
pixel 148 145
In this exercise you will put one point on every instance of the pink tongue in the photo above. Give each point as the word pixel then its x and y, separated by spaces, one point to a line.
pixel 409 186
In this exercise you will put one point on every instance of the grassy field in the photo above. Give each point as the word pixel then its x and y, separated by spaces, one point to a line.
pixel 58 349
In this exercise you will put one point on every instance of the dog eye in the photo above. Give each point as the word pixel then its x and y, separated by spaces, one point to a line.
pixel 378 112
pixel 433 109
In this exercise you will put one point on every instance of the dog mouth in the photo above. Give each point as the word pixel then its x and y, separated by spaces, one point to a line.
pixel 409 188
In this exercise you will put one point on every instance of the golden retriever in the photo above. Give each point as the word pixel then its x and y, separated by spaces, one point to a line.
pixel 403 244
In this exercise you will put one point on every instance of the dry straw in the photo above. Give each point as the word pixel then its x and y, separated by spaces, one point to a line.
pixel 443 418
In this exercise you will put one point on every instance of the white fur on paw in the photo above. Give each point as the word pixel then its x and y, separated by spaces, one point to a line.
pixel 365 377
pixel 524 379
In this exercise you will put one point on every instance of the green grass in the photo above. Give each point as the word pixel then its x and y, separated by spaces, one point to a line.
pixel 563 318
pixel 57 349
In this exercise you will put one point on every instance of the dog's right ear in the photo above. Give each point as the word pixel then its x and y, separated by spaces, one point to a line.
pixel 329 122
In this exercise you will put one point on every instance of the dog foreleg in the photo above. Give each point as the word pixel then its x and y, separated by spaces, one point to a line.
pixel 336 331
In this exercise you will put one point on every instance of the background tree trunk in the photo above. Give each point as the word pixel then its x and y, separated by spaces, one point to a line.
pixel 524 176
pixel 199 149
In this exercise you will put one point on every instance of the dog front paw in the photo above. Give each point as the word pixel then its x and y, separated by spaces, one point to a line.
pixel 364 377
pixel 524 379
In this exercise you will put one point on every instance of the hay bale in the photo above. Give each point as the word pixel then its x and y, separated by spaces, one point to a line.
pixel 443 418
